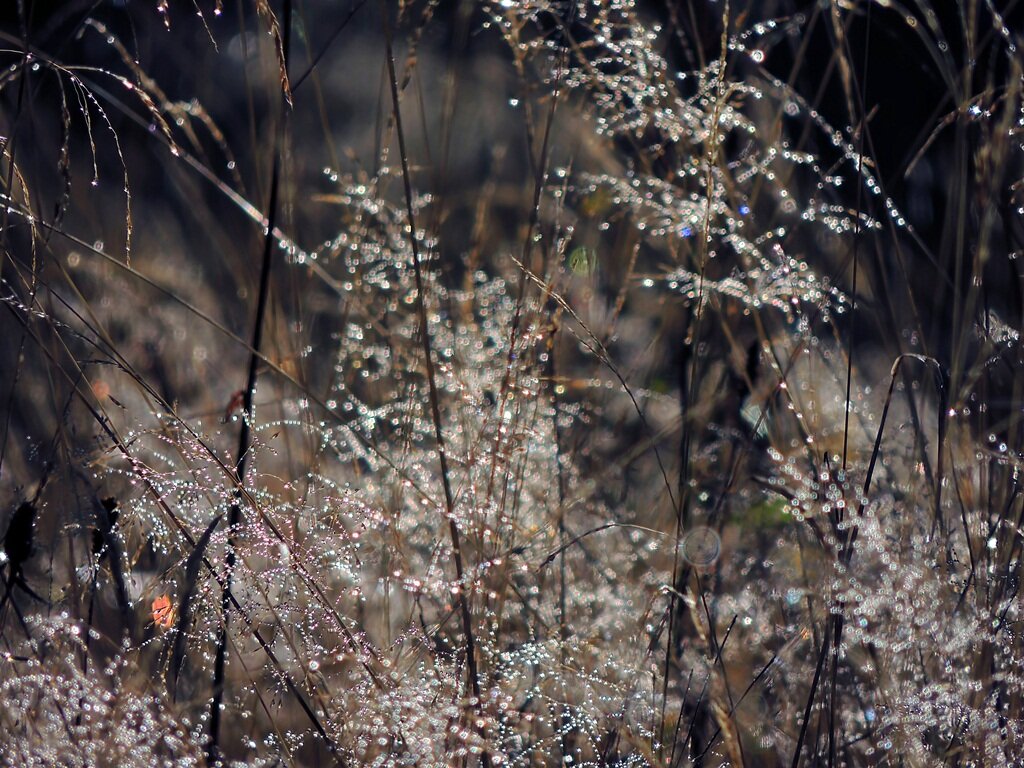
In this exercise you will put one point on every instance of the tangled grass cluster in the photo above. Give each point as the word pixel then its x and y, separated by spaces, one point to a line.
pixel 509 384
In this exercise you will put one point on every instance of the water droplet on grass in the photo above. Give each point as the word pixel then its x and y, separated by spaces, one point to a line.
pixel 701 547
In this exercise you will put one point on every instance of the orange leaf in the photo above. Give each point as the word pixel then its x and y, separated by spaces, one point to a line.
pixel 163 612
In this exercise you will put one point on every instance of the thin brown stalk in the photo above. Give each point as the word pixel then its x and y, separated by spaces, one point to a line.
pixel 435 403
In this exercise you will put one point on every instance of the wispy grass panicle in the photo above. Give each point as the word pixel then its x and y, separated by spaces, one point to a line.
pixel 631 384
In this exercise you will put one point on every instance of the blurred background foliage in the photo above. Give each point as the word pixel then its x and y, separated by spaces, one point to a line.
pixel 672 254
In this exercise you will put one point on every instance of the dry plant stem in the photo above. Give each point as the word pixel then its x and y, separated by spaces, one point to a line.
pixel 244 444
pixel 327 45
pixel 245 433
pixel 680 571
pixel 539 171
pixel 435 406
pixel 228 471
pixel 104 423
pixel 833 630
pixel 866 136
pixel 566 742
pixel 859 88
pixel 810 697
pixel 185 605
pixel 766 481
pixel 264 361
